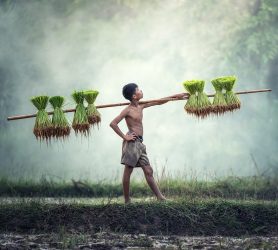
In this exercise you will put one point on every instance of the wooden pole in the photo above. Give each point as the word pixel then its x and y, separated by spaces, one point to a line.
pixel 186 96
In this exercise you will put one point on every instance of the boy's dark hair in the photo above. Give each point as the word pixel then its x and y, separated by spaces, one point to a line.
pixel 129 90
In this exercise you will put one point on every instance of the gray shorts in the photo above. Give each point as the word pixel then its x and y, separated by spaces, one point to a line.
pixel 134 154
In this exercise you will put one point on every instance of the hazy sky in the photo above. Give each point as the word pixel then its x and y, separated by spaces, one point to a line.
pixel 56 47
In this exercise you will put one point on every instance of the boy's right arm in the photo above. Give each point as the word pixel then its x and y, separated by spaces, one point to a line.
pixel 114 126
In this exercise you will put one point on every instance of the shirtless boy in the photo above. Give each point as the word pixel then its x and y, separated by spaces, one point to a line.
pixel 133 150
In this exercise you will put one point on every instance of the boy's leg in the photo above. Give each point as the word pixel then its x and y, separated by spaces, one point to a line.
pixel 126 180
pixel 148 171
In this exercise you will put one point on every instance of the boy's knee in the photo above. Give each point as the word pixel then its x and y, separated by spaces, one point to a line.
pixel 128 169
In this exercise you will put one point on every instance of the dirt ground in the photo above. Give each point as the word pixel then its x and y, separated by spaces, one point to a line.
pixel 106 240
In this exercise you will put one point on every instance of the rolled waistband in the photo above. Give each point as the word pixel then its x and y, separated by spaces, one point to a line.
pixel 140 137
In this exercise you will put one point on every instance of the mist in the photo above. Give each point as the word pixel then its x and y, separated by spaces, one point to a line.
pixel 56 47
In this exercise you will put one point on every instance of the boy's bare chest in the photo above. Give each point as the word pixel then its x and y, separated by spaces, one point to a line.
pixel 135 115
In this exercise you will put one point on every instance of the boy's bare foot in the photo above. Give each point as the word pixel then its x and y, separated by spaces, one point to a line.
pixel 163 198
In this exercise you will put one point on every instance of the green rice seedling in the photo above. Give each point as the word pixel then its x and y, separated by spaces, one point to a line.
pixel 204 106
pixel 43 128
pixel 80 122
pixel 191 104
pixel 61 126
pixel 219 105
pixel 231 98
pixel 94 116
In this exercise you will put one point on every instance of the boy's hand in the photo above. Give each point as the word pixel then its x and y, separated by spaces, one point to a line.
pixel 130 137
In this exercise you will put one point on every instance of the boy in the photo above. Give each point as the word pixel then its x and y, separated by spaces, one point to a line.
pixel 133 150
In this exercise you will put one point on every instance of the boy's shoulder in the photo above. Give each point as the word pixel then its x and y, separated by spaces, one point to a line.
pixel 126 110
pixel 129 109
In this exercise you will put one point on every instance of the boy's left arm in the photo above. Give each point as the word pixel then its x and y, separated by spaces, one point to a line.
pixel 178 96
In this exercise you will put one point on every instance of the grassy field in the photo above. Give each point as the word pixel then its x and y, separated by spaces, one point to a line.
pixel 178 216
pixel 230 187
pixel 231 206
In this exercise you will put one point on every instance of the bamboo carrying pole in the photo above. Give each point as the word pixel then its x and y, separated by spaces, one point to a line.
pixel 186 96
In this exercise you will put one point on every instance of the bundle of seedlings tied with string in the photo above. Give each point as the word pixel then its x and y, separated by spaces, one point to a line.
pixel 219 105
pixel 61 126
pixel 80 122
pixel 94 116
pixel 191 104
pixel 204 106
pixel 231 98
pixel 43 128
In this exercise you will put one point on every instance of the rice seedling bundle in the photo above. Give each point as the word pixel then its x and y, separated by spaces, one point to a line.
pixel 231 98
pixel 203 103
pixel 80 122
pixel 43 128
pixel 94 116
pixel 61 127
pixel 219 105
pixel 191 104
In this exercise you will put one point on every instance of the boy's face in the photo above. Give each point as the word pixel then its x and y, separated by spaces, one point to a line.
pixel 138 94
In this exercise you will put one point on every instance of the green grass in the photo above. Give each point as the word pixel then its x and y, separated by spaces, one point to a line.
pixel 229 187
pixel 232 206
pixel 179 216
